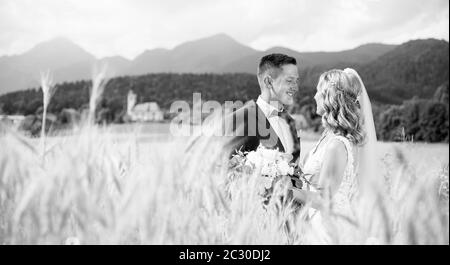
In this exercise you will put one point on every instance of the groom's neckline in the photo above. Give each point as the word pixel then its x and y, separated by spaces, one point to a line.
pixel 263 122
pixel 266 107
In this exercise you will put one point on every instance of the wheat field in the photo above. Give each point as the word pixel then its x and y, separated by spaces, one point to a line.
pixel 97 186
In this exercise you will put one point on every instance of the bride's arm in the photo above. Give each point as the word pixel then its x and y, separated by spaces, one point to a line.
pixel 330 178
pixel 302 162
pixel 307 196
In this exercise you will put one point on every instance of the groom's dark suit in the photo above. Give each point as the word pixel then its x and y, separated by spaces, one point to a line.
pixel 250 127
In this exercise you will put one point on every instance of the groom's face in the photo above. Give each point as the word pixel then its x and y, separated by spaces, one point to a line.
pixel 285 85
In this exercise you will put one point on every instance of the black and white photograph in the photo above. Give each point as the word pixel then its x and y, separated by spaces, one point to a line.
pixel 224 122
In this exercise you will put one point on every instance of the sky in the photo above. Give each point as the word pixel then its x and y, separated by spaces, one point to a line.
pixel 128 27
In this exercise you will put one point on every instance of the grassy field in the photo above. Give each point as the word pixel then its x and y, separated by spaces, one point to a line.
pixel 125 185
pixel 427 158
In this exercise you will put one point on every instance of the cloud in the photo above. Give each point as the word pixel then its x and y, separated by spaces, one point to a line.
pixel 347 23
pixel 110 27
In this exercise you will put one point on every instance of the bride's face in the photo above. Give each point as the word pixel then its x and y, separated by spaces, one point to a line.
pixel 318 97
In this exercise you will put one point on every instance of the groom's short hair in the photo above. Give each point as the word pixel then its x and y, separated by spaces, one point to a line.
pixel 273 63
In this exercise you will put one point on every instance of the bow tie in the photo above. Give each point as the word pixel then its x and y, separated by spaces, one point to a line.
pixel 280 113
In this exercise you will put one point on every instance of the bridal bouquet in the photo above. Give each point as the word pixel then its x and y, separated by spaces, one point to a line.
pixel 274 170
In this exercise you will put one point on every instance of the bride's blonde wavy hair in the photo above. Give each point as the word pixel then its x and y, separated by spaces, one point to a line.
pixel 342 114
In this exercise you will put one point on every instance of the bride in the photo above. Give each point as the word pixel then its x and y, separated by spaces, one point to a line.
pixel 338 168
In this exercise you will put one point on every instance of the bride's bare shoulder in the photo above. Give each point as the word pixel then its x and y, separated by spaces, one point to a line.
pixel 336 148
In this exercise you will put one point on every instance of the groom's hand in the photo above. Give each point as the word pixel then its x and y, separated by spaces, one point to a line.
pixel 296 182
pixel 295 178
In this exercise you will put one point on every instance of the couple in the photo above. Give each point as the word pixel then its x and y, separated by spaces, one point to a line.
pixel 339 158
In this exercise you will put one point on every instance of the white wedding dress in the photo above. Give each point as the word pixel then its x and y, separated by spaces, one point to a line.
pixel 339 223
pixel 340 215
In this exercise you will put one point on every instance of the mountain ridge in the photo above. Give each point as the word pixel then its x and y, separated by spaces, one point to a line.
pixel 215 54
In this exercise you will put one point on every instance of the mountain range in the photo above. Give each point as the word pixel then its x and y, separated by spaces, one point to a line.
pixel 216 54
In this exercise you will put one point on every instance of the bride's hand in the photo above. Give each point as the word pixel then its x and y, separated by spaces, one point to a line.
pixel 310 197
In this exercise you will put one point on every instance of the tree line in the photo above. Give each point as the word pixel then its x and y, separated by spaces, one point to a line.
pixel 422 119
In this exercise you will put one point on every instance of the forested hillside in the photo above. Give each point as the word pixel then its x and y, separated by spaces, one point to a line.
pixel 408 87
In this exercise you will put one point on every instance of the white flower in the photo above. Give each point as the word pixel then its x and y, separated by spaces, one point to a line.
pixel 286 157
pixel 284 169
pixel 268 155
pixel 269 169
pixel 268 181
pixel 253 158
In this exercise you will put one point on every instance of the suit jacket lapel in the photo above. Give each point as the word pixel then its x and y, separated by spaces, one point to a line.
pixel 266 133
pixel 293 129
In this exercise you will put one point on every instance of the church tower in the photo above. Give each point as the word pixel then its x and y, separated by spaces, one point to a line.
pixel 131 101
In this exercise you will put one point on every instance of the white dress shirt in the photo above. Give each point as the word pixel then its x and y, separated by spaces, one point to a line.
pixel 279 125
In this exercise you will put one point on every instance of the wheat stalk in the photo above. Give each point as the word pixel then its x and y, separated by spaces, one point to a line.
pixel 98 84
pixel 48 89
pixel 101 190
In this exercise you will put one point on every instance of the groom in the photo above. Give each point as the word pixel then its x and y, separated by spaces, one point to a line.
pixel 266 121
